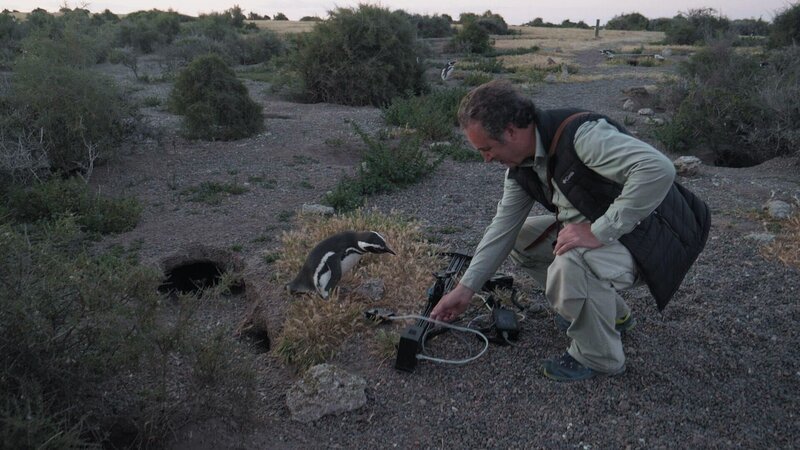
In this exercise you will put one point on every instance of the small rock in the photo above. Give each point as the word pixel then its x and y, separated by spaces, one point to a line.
pixel 778 209
pixel 550 78
pixel 687 165
pixel 564 72
pixel 666 52
pixel 646 112
pixel 317 209
pixel 325 389
pixel 654 121
pixel 372 289
pixel 764 238
pixel 629 105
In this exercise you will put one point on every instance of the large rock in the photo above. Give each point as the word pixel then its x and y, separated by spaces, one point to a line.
pixel 325 389
pixel 687 165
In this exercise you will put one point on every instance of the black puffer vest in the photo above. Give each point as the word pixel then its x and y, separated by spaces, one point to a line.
pixel 664 244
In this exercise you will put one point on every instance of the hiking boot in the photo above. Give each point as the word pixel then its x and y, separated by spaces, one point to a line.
pixel 622 324
pixel 567 368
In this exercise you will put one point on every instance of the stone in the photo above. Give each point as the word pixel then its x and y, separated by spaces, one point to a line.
pixel 636 91
pixel 629 105
pixel 687 165
pixel 646 112
pixel 372 289
pixel 550 78
pixel 778 209
pixel 763 238
pixel 325 389
pixel 654 121
pixel 667 52
pixel 321 210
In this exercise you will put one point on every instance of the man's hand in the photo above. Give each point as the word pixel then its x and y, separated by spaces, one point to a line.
pixel 575 235
pixel 452 304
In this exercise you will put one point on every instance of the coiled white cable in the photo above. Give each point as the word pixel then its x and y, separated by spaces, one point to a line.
pixel 446 325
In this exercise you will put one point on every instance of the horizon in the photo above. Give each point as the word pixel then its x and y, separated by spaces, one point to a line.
pixel 514 12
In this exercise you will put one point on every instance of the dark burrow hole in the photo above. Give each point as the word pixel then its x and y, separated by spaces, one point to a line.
pixel 257 339
pixel 195 277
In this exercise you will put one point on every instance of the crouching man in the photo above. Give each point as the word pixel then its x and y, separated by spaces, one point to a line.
pixel 618 219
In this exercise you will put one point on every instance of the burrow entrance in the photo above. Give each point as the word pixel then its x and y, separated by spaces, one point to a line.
pixel 198 268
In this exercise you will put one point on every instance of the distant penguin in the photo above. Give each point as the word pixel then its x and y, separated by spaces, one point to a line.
pixel 448 69
pixel 332 258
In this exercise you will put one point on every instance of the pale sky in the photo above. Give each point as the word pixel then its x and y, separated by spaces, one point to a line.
pixel 515 12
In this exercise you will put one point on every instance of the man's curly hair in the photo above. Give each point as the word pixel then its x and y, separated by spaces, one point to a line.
pixel 495 105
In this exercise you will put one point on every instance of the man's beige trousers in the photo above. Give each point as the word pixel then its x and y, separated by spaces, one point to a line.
pixel 581 285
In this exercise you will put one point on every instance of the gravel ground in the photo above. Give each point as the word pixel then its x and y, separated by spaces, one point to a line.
pixel 718 368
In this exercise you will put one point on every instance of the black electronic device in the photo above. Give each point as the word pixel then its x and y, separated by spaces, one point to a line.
pixel 413 338
pixel 505 322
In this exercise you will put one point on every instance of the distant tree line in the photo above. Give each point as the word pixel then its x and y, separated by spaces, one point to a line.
pixel 698 25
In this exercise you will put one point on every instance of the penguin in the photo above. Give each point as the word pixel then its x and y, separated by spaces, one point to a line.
pixel 448 69
pixel 333 257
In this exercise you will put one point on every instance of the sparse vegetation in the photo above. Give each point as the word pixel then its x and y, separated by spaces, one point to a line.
pixel 744 113
pixel 49 200
pixel 92 356
pixel 212 193
pixel 384 168
pixel 785 30
pixel 60 115
pixel 433 115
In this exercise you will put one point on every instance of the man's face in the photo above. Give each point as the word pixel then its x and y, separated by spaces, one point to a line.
pixel 509 152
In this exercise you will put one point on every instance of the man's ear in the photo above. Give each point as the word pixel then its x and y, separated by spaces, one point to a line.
pixel 512 131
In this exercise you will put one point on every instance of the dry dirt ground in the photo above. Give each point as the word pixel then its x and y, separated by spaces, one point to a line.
pixel 718 368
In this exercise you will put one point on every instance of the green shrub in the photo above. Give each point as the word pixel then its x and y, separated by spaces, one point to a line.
pixel 147 31
pixel 360 57
pixel 745 114
pixel 11 34
pixel 262 47
pixel 632 21
pixel 186 49
pixel 384 168
pixel 696 26
pixel 435 26
pixel 432 115
pixel 471 38
pixel 490 22
pixel 785 28
pixel 659 24
pixel 80 115
pixel 71 197
pixel 90 355
pixel 214 103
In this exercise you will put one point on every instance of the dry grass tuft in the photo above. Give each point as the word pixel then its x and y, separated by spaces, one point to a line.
pixel 313 329
pixel 786 246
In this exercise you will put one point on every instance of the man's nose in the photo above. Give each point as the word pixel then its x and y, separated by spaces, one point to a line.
pixel 487 157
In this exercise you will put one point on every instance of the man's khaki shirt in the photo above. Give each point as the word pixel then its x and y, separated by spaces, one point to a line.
pixel 644 172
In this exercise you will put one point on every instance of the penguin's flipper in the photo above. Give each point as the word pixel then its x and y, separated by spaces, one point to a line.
pixel 329 277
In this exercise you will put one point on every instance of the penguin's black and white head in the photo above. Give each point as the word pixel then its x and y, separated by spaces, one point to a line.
pixel 373 242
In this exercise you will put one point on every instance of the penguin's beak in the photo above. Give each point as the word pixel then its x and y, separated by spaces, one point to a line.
pixel 388 250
